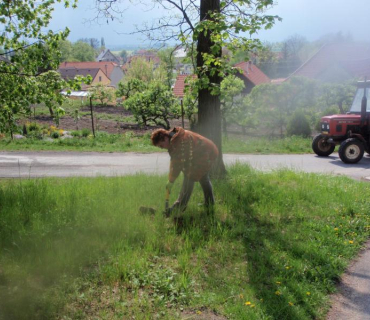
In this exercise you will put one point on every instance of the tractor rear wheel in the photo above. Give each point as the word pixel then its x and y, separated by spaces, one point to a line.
pixel 321 147
pixel 351 150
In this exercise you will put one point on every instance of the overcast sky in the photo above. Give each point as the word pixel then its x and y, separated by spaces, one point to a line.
pixel 309 18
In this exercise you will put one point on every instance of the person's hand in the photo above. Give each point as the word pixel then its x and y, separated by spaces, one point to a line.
pixel 169 186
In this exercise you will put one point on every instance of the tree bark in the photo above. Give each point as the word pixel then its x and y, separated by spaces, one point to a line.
pixel 92 117
pixel 51 111
pixel 209 106
pixel 224 126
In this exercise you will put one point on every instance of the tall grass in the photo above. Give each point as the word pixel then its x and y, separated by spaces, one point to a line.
pixel 79 248
pixel 103 142
pixel 50 229
pixel 266 145
pixel 129 142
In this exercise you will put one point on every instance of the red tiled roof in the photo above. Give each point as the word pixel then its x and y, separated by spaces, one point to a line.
pixel 106 66
pixel 354 56
pixel 70 73
pixel 357 68
pixel 178 89
pixel 252 73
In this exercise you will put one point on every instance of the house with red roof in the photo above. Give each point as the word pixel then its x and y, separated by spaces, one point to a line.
pixel 111 70
pixel 98 76
pixel 337 62
pixel 180 84
pixel 251 75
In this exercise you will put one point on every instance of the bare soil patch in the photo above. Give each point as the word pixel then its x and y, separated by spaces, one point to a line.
pixel 110 126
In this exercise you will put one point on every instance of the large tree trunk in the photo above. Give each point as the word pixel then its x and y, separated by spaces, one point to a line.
pixel 209 106
pixel 51 111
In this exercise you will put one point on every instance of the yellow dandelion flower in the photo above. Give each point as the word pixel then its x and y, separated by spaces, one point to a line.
pixel 278 293
pixel 248 303
pixel 287 267
pixel 308 293
pixel 252 306
pixel 278 282
pixel 350 241
pixel 291 303
pixel 336 229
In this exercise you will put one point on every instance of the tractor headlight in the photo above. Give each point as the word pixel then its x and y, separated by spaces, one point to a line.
pixel 325 127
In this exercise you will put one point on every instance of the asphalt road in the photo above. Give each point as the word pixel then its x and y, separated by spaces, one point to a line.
pixel 67 164
pixel 353 299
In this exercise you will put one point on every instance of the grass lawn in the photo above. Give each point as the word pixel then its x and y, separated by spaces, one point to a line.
pixel 129 142
pixel 79 248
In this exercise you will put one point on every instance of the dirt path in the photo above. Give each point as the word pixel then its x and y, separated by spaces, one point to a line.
pixel 352 302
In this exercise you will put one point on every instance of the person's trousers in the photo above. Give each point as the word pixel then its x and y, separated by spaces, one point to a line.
pixel 187 189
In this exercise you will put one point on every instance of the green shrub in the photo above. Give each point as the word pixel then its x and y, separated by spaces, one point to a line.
pixel 76 133
pixel 298 125
pixel 85 132
pixel 55 135
pixel 35 135
pixel 34 127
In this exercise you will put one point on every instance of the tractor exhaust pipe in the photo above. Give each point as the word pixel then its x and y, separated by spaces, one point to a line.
pixel 363 108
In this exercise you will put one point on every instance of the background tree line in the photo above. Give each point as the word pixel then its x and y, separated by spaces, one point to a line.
pixel 84 49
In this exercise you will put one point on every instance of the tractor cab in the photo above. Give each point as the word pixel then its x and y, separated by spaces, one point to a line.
pixel 362 93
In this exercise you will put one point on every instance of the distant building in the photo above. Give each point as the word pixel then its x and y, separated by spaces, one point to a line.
pixel 337 62
pixel 110 69
pixel 180 85
pixel 184 68
pixel 107 55
pixel 98 76
pixel 147 55
pixel 180 52
pixel 251 75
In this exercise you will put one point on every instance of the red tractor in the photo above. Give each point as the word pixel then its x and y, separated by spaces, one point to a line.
pixel 351 131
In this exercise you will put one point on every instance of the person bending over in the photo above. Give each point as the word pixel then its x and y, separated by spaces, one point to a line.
pixel 192 154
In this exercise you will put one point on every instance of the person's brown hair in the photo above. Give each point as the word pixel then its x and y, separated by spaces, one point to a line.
pixel 159 135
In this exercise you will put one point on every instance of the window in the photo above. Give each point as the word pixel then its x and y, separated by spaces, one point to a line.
pixel 356 105
pixel 99 79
